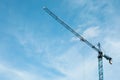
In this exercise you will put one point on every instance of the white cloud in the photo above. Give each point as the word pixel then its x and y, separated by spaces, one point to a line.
pixel 74 39
pixel 74 3
pixel 91 32
pixel 72 64
pixel 77 30
pixel 14 74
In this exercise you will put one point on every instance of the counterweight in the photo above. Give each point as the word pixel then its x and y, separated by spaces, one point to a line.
pixel 100 53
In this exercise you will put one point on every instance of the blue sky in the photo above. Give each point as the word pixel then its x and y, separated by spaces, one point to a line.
pixel 33 46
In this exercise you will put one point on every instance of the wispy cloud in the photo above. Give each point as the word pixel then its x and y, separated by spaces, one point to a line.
pixel 12 74
pixel 91 32
pixel 71 63
pixel 88 33
pixel 74 4
pixel 51 59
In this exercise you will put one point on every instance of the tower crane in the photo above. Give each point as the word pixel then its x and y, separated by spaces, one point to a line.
pixel 98 49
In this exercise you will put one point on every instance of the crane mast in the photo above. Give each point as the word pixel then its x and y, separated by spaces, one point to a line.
pixel 100 63
pixel 98 49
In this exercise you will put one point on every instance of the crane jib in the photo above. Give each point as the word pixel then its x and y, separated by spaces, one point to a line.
pixel 69 28
pixel 75 33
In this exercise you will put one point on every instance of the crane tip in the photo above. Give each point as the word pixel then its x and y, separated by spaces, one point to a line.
pixel 110 61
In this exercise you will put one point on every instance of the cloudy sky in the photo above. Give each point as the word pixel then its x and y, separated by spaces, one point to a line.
pixel 33 46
